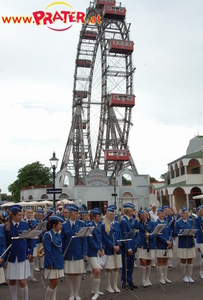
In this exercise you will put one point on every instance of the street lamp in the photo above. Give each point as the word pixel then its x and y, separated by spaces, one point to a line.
pixel 54 164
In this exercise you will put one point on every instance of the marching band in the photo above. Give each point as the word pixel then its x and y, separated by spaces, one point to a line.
pixel 112 245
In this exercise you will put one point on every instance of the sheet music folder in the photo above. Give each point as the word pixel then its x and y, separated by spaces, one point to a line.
pixel 26 234
pixel 188 232
pixel 84 231
pixel 158 229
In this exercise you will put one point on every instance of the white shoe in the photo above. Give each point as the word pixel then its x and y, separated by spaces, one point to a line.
pixel 135 266
pixel 162 281
pixel 77 297
pixel 37 269
pixel 94 297
pixel 190 279
pixel 148 282
pixel 167 280
pixel 33 279
pixel 201 274
pixel 186 279
pixel 170 266
pixel 89 270
pixel 116 289
pixel 153 265
pixel 110 290
pixel 100 293
pixel 71 297
pixel 144 283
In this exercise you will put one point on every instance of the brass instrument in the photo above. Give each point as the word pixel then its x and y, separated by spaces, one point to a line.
pixel 40 252
pixel 172 220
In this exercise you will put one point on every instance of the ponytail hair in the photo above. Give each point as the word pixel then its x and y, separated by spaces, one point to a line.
pixel 10 220
pixel 106 223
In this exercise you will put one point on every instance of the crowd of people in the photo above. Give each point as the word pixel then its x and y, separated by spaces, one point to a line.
pixel 112 242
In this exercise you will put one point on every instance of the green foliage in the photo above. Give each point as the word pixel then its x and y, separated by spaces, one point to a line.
pixel 152 179
pixel 126 181
pixel 6 197
pixel 30 175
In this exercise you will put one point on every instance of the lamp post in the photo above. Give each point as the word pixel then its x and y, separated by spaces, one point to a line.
pixel 114 194
pixel 54 164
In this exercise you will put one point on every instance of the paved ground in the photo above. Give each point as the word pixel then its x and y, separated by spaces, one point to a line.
pixel 177 290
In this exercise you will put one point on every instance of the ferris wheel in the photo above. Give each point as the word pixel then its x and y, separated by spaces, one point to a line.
pixel 102 94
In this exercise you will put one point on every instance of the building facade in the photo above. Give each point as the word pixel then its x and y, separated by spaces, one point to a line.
pixel 184 179
pixel 97 190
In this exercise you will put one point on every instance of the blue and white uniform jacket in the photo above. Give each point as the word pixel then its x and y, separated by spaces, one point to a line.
pixel 164 236
pixel 149 227
pixel 2 245
pixel 76 247
pixel 95 242
pixel 198 224
pixel 111 240
pixel 32 223
pixel 53 251
pixel 19 248
pixel 184 241
pixel 128 228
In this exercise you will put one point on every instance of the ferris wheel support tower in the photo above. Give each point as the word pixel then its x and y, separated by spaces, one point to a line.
pixel 102 95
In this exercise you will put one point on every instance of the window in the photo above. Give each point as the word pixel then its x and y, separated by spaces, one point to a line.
pixel 195 171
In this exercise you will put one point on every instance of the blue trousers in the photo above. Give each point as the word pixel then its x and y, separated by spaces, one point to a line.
pixel 127 267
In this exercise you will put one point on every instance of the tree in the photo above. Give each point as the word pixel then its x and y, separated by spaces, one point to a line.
pixel 153 179
pixel 30 175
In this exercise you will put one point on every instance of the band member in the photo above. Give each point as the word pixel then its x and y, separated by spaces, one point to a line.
pixel 96 248
pixel 39 261
pixel 84 216
pixel 186 248
pixel 198 224
pixel 163 248
pixel 53 256
pixel 111 234
pixel 65 212
pixel 29 218
pixel 18 267
pixel 171 221
pixel 146 244
pixel 128 224
pixel 2 249
pixel 74 249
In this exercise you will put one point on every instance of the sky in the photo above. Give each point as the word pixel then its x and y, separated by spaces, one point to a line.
pixel 36 82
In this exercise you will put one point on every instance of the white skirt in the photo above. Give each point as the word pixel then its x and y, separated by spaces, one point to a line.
pixel 94 263
pixel 186 253
pixel 18 270
pixel 74 266
pixel 113 262
pixel 200 246
pixel 143 254
pixel 35 251
pixel 53 274
pixel 2 276
pixel 160 253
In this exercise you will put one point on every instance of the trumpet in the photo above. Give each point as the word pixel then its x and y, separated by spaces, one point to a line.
pixel 40 252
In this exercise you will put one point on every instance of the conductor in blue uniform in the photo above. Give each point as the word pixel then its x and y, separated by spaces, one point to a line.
pixel 128 224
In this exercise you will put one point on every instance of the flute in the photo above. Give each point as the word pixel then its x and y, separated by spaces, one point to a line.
pixel 5 250
pixel 147 236
pixel 165 253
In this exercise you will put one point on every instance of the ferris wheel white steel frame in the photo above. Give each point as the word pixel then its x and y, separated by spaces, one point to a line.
pixel 116 72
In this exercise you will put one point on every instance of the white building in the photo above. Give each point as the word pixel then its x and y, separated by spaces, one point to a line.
pixel 184 178
pixel 97 191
